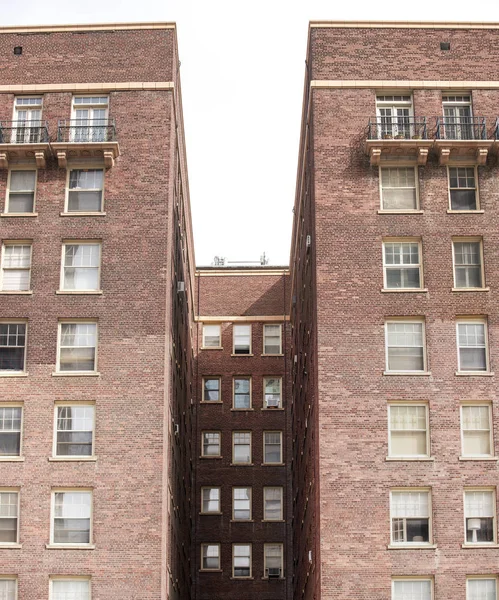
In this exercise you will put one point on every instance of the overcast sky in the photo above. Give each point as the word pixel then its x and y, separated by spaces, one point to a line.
pixel 242 82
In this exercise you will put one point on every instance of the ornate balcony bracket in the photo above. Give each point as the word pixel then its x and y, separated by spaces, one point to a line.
pixel 4 160
pixel 465 151
pixel 415 150
pixel 422 155
pixel 375 156
pixel 107 152
pixel 12 152
pixel 62 159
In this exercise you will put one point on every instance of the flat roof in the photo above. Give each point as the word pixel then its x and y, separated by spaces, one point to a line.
pixel 405 24
pixel 85 27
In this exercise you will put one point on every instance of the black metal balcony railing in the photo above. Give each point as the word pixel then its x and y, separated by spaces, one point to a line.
pixel 397 127
pixel 24 132
pixel 88 130
pixel 461 128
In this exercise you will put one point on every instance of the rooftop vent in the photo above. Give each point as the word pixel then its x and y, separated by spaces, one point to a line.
pixel 444 45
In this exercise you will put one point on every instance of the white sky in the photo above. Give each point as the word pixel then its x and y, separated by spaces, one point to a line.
pixel 242 82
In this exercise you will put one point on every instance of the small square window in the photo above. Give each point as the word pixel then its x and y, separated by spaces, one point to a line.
pixel 463 188
pixel 241 447
pixel 272 504
pixel 479 515
pixel 210 500
pixel 77 347
pixel 408 430
pixel 210 557
pixel 8 588
pixel 10 430
pixel 74 430
pixel 468 263
pixel 242 393
pixel 472 346
pixel 412 589
pixel 272 387
pixel 476 430
pixel 85 190
pixel 410 516
pixel 12 347
pixel 211 389
pixel 272 339
pixel 211 336
pixel 241 503
pixel 405 348
pixel 69 589
pixel 210 443
pixel 273 560
pixel 71 517
pixel 81 266
pixel 402 264
pixel 399 188
pixel 9 517
pixel 481 588
pixel 242 339
pixel 272 447
pixel 16 267
pixel 21 192
pixel 241 560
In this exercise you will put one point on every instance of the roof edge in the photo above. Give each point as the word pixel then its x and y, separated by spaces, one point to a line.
pixel 85 27
pixel 404 24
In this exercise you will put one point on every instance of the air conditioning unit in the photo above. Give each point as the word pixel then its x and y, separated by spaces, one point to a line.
pixel 273 573
pixel 180 286
pixel 273 403
pixel 309 241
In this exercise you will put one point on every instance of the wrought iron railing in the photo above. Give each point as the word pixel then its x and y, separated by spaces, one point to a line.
pixel 24 132
pixel 461 128
pixel 86 130
pixel 397 127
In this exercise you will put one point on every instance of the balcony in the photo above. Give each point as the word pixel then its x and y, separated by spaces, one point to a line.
pixel 397 137
pixel 23 139
pixel 462 139
pixel 89 138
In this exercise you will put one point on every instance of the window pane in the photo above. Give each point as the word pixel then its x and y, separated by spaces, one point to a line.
pixel 10 431
pixel 7 589
pixel 412 590
pixel 74 430
pixel 22 181
pixel 242 339
pixel 242 503
pixel 211 336
pixel 272 392
pixel 242 398
pixel 72 517
pixel 242 560
pixel 8 517
pixel 211 390
pixel 78 345
pixel 476 430
pixel 273 504
pixel 81 266
pixel 463 199
pixel 273 452
pixel 211 444
pixel 211 499
pixel 481 589
pixel 398 189
pixel 12 346
pixel 472 350
pixel 405 346
pixel 70 590
pixel 211 556
pixel 272 342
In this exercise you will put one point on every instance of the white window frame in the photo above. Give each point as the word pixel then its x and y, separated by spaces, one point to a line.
pixel 423 330
pixel 69 578
pixel 59 336
pixel 477 188
pixel 66 198
pixel 234 328
pixel 281 489
pixel 72 457
pixel 242 487
pixel 204 346
pixel 265 407
pixel 7 373
pixel 211 512
pixel 280 338
pixel 250 545
pixel 473 321
pixel 475 240
pixel 406 544
pixel 11 578
pixel 17 243
pixel 202 568
pixel 7 192
pixel 414 578
pixel 490 577
pixel 265 462
pixel 492 491
pixel 265 546
pixel 65 490
pixel 203 455
pixel 250 379
pixel 13 457
pixel 28 107
pixel 396 403
pixel 250 462
pixel 386 267
pixel 13 490
pixel 477 404
pixel 72 242
pixel 382 208
pixel 212 378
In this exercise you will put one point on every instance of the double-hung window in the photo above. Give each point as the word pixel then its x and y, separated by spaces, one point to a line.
pixel 211 389
pixel 272 504
pixel 210 500
pixel 85 190
pixel 476 430
pixel 21 192
pixel 241 447
pixel 212 336
pixel 74 430
pixel 242 339
pixel 9 517
pixel 272 339
pixel 8 588
pixel 402 264
pixel 12 347
pixel 411 589
pixel 81 266
pixel 272 387
pixel 472 346
pixel 241 503
pixel 241 560
pixel 479 516
pixel 16 266
pixel 399 191
pixel 242 393
pixel 210 557
pixel 273 560
pixel 272 447
pixel 463 188
pixel 410 517
pixel 408 430
pixel 468 263
pixel 10 430
pixel 77 347
pixel 71 517
pixel 481 588
pixel 405 346
pixel 69 588
pixel 210 443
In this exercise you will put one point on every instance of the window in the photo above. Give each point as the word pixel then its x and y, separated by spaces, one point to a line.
pixel 89 119
pixel 69 589
pixel 468 263
pixel 410 515
pixel 210 500
pixel 472 346
pixel 242 339
pixel 394 116
pixel 458 121
pixel 211 336
pixel 81 266
pixel 71 517
pixel 242 393
pixel 272 392
pixel 272 447
pixel 21 192
pixel 12 346
pixel 463 188
pixel 77 347
pixel 211 389
pixel 210 443
pixel 16 267
pixel 479 516
pixel 476 431
pixel 74 430
pixel 27 120
pixel 481 588
pixel 399 188
pixel 408 430
pixel 241 451
pixel 9 517
pixel 411 589
pixel 402 265
pixel 405 346
pixel 273 559
pixel 85 190
pixel 241 503
pixel 210 557
pixel 272 504
pixel 241 560
pixel 272 339
pixel 10 431
pixel 8 588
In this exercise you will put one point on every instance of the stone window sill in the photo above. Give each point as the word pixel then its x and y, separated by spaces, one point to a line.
pixel 480 546
pixel 464 212
pixel 83 214
pixel 484 289
pixel 278 355
pixel 272 409
pixel 11 458
pixel 79 292
pixel 408 373
pixel 72 458
pixel 405 290
pixel 410 458
pixel 489 458
pixel 400 212
pixel 66 547
pixel 474 374
pixel 238 355
pixel 13 374
pixel 76 374
pixel 413 547
pixel 35 214
pixel 16 292
pixel 10 546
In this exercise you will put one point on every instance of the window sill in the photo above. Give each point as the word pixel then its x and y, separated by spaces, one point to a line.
pixel 480 546
pixel 11 458
pixel 412 547
pixel 400 212
pixel 464 212
pixel 280 354
pixel 13 374
pixel 410 459
pixel 211 348
pixel 489 458
pixel 281 464
pixel 405 290
pixel 242 465
pixel 242 409
pixel 72 459
pixel 242 521
pixel 79 292
pixel 10 546
pixel 19 214
pixel 76 374
pixel 211 457
pixel 485 289
pixel 272 409
pixel 242 354
pixel 474 374
pixel 16 292
pixel 83 214
pixel 408 373
pixel 211 402
pixel 68 547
